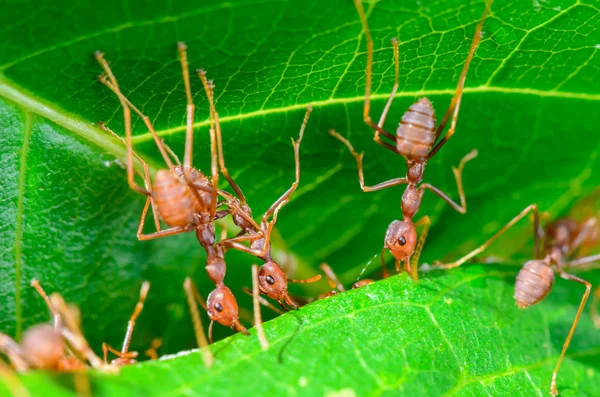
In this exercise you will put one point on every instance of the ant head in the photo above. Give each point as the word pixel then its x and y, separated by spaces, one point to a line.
pixel 43 346
pixel 401 238
pixel 223 308
pixel 273 282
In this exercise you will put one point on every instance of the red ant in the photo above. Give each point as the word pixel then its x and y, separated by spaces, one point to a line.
pixel 58 347
pixel 536 277
pixel 415 140
pixel 183 197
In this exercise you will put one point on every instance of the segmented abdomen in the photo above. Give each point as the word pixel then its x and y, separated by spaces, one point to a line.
pixel 416 133
pixel 175 201
pixel 534 281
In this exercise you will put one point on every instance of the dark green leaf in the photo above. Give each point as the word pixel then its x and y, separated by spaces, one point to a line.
pixel 69 218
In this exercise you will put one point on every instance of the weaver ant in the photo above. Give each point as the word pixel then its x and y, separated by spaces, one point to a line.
pixel 415 140
pixel 58 347
pixel 183 197
pixel 536 278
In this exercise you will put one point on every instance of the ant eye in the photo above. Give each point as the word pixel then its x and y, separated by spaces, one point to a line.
pixel 402 240
pixel 270 280
pixel 218 307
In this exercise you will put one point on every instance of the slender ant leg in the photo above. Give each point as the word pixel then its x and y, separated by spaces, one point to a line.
pixel 113 85
pixel 192 296
pixel 462 208
pixel 393 93
pixel 147 182
pixel 414 262
pixel 368 77
pixel 125 353
pixel 588 288
pixel 484 246
pixel 454 106
pixel 361 178
pixel 260 332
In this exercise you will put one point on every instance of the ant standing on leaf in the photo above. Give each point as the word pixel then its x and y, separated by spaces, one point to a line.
pixel 536 278
pixel 415 140
pixel 57 347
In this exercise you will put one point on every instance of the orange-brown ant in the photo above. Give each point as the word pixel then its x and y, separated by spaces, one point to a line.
pixel 536 277
pixel 57 347
pixel 183 197
pixel 415 140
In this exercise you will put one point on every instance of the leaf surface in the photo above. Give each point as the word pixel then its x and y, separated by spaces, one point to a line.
pixel 69 218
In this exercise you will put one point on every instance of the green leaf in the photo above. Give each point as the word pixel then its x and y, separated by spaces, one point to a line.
pixel 69 218
pixel 455 334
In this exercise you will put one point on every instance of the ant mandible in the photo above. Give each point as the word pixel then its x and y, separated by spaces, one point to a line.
pixel 415 140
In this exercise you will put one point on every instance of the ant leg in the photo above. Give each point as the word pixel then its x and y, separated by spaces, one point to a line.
pixel 81 346
pixel 154 346
pixel 56 315
pixel 588 288
pixel 414 264
pixel 391 98
pixel 161 233
pixel 280 201
pixel 130 152
pixel 484 246
pixel 361 178
pixel 12 350
pixel 147 182
pixel 192 295
pixel 332 278
pixel 71 332
pixel 454 106
pixel 587 229
pixel 262 301
pixel 136 312
pixel 462 208
pixel 583 261
pixel 189 124
pixel 126 104
pixel 209 88
pixel 260 332
pixel 368 77
pixel 594 308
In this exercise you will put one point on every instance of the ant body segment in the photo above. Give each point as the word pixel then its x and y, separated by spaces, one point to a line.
pixel 415 140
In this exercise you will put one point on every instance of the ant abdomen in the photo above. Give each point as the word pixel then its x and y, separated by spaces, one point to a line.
pixel 43 346
pixel 174 199
pixel 534 282
pixel 416 133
